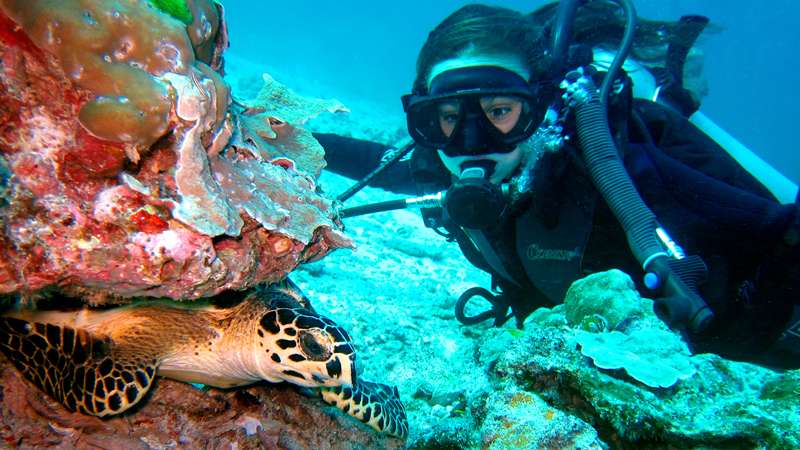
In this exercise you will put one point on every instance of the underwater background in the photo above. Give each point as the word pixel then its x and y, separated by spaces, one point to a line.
pixel 363 52
pixel 225 198
pixel 502 388
pixel 596 372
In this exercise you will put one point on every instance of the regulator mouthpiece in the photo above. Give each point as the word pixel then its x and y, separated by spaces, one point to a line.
pixel 473 201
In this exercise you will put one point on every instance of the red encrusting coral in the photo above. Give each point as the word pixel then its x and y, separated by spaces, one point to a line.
pixel 148 223
pixel 91 157
pixel 126 159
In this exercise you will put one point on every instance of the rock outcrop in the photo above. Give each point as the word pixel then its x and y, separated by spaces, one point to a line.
pixel 130 172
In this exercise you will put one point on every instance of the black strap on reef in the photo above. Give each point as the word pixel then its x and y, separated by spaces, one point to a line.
pixel 500 303
pixel 396 156
pixel 496 312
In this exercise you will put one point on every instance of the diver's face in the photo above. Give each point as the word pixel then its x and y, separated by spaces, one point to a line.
pixel 503 112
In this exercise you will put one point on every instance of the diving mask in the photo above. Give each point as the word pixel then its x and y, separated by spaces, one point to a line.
pixel 475 111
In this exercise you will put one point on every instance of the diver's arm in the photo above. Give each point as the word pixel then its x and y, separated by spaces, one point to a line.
pixel 646 87
pixel 682 169
pixel 355 158
pixel 717 210
pixel 781 187
pixel 684 142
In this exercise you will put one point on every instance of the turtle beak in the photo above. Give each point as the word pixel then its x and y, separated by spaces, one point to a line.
pixel 340 370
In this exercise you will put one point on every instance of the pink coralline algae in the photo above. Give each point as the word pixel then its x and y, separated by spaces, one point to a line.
pixel 132 173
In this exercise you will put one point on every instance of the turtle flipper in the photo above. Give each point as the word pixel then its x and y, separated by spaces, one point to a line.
pixel 74 367
pixel 375 404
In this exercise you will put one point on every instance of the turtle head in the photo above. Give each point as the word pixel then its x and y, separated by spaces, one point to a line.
pixel 303 347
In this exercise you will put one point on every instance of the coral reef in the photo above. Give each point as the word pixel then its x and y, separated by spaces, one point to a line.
pixel 518 419
pixel 127 170
pixel 179 415
pixel 126 173
pixel 600 301
pixel 664 397
pixel 131 174
pixel 175 8
pixel 622 332
pixel 643 354
pixel 364 119
pixel 480 387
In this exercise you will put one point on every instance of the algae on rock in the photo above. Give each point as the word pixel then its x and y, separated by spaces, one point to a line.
pixel 610 295
pixel 175 8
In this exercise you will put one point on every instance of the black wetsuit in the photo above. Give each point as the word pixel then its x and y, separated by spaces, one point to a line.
pixel 564 230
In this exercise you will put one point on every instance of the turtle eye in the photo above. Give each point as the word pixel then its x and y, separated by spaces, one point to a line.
pixel 315 344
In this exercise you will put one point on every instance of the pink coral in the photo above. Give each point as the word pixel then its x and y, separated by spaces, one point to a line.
pixel 130 176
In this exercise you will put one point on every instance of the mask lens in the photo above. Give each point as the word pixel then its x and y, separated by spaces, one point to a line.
pixel 431 123
pixel 475 110
pixel 434 123
pixel 450 114
pixel 503 112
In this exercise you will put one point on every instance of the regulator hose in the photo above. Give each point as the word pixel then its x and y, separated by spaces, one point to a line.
pixel 610 177
pixel 562 34
pixel 362 183
pixel 389 205
pixel 624 48
pixel 674 279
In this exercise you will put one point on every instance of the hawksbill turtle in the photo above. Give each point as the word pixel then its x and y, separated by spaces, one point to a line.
pixel 103 362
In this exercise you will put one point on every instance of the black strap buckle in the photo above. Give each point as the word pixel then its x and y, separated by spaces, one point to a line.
pixel 498 311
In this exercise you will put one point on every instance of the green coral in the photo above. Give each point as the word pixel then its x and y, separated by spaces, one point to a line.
pixel 610 295
pixel 646 355
pixel 784 387
pixel 175 8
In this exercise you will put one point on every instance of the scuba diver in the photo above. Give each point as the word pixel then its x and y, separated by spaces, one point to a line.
pixel 534 151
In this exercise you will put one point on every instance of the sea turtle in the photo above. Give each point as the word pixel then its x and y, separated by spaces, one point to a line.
pixel 102 362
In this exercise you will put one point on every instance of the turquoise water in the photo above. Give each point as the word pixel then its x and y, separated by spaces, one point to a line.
pixel 599 371
pixel 364 51
pixel 395 294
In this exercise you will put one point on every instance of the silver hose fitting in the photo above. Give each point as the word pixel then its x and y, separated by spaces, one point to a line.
pixel 579 88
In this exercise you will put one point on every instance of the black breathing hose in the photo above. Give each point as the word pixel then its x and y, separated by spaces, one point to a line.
pixel 562 34
pixel 593 131
pixel 390 205
pixel 624 48
pixel 612 180
pixel 676 279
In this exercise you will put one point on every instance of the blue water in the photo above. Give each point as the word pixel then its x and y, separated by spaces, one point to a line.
pixel 360 50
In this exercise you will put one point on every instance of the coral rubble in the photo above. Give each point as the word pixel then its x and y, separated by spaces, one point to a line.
pixel 131 173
